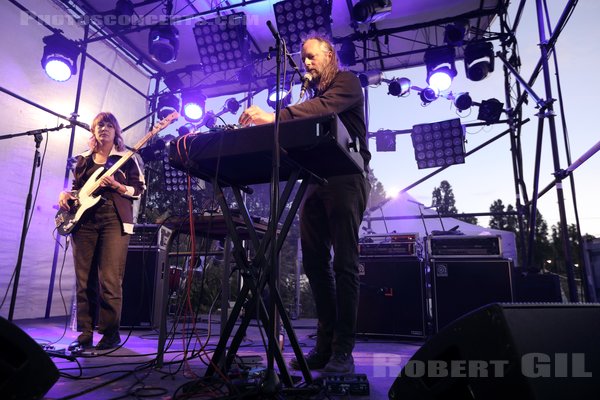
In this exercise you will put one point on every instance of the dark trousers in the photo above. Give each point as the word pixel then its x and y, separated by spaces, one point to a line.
pixel 100 253
pixel 330 217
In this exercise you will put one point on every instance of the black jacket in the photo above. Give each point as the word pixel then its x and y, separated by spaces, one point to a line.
pixel 345 98
pixel 130 175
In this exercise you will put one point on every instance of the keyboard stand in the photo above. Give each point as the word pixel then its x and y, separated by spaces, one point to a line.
pixel 257 273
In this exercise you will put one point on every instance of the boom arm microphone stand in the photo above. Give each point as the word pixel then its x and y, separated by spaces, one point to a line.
pixel 37 136
pixel 271 382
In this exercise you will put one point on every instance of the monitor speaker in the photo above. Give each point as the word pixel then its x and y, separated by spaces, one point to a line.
pixel 26 371
pixel 463 285
pixel 143 287
pixel 510 351
pixel 392 300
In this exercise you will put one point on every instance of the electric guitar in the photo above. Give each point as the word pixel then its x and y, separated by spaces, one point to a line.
pixel 67 220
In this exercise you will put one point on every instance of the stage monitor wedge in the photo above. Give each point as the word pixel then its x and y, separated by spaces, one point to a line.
pixel 26 371
pixel 509 351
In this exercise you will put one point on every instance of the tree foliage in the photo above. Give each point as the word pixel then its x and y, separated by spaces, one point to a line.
pixel 443 199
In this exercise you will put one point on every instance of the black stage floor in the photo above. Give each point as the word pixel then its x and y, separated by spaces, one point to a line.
pixel 130 371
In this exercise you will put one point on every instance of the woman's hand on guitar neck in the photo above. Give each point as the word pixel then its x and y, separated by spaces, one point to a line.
pixel 112 183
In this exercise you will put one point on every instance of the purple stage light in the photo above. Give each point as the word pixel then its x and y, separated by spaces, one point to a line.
pixel 58 70
pixel 440 67
pixel 193 101
pixel 441 79
pixel 285 97
pixel 60 57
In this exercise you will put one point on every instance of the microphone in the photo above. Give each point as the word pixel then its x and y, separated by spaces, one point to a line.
pixel 306 79
pixel 83 125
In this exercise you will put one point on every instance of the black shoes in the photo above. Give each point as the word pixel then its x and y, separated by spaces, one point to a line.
pixel 84 341
pixel 109 341
pixel 314 360
pixel 340 363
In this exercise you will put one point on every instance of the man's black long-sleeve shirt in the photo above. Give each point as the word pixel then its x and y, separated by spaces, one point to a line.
pixel 345 98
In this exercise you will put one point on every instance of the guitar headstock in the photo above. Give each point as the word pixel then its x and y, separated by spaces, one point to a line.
pixel 163 123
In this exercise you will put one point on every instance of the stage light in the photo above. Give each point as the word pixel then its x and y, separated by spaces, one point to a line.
pixel 454 33
pixel 490 111
pixel 463 101
pixel 209 120
pixel 440 67
pixel 428 95
pixel 232 105
pixel 222 42
pixel 369 78
pixel 124 10
pixel 347 53
pixel 60 57
pixel 175 180
pixel 167 103
pixel 299 19
pixel 439 144
pixel 185 129
pixel 371 11
pixel 163 43
pixel 173 82
pixel 153 151
pixel 193 105
pixel 479 60
pixel 285 97
pixel 399 87
pixel 246 75
pixel 385 141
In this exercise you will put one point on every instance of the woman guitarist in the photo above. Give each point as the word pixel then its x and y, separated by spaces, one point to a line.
pixel 101 237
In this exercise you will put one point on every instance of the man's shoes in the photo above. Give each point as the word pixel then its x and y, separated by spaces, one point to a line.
pixel 84 341
pixel 314 360
pixel 340 363
pixel 109 341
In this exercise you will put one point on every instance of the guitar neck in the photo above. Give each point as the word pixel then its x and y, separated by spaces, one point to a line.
pixel 159 127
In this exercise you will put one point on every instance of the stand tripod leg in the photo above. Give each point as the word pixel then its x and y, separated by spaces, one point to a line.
pixel 217 360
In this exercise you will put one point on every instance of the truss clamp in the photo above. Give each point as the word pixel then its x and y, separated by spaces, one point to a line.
pixel 561 174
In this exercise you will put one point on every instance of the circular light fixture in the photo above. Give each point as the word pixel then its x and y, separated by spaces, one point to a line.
pixel 60 57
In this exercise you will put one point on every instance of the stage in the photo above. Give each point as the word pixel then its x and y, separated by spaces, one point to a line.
pixel 131 372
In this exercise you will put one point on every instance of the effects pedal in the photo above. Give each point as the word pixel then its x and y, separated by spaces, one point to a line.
pixel 342 385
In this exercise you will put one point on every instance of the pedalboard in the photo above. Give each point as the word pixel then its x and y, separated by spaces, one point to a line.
pixel 344 385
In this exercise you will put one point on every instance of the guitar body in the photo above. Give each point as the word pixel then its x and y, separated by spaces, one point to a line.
pixel 67 220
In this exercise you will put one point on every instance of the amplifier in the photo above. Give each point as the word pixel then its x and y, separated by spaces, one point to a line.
pixel 460 286
pixel 390 245
pixel 147 236
pixel 145 281
pixel 462 246
pixel 392 297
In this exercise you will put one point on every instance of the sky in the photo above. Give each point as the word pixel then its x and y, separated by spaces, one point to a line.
pixel 487 175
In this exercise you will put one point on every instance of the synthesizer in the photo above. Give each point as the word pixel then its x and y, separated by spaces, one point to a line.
pixel 318 145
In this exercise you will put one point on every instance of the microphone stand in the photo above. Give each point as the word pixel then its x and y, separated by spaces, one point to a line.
pixel 37 135
pixel 271 382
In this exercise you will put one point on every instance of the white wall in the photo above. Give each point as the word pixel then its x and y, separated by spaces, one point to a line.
pixel 21 73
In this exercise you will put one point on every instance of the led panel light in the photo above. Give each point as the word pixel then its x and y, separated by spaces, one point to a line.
pixel 439 144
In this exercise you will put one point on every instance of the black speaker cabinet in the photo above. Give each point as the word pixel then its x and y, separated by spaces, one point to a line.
pixel 518 351
pixel 392 300
pixel 26 371
pixel 143 287
pixel 535 287
pixel 463 285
